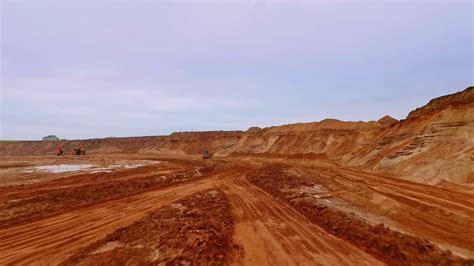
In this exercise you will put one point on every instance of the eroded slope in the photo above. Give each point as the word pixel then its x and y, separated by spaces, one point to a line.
pixel 434 145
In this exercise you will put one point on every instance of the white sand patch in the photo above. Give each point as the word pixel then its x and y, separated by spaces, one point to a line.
pixel 108 247
pixel 63 168
pixel 92 168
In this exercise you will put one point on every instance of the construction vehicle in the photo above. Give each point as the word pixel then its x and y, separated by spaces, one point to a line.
pixel 206 154
pixel 79 151
pixel 59 150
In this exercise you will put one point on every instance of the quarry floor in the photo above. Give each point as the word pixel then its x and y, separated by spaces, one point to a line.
pixel 156 209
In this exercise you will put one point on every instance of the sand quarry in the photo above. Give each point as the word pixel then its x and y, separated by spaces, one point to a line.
pixel 324 193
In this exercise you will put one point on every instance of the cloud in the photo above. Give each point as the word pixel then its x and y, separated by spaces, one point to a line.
pixel 86 69
pixel 84 99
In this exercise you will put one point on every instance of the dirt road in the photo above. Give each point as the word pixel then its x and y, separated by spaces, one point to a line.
pixel 269 230
pixel 51 240
pixel 274 234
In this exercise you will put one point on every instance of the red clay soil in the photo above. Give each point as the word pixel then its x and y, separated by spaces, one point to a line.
pixel 21 204
pixel 296 156
pixel 196 230
pixel 75 179
pixel 389 246
pixel 285 212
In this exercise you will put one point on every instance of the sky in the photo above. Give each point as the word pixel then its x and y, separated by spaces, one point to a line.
pixel 86 69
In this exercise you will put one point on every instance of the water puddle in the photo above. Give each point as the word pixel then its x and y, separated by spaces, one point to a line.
pixel 63 168
pixel 92 168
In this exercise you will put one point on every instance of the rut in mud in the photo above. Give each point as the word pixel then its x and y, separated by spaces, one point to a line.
pixel 322 208
pixel 232 211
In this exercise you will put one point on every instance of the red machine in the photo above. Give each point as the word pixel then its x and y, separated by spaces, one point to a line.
pixel 79 151
pixel 59 150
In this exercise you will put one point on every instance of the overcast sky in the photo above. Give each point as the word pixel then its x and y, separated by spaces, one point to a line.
pixel 88 69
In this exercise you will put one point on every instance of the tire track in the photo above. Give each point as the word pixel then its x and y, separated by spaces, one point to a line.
pixel 428 194
pixel 270 231
pixel 273 233
pixel 51 240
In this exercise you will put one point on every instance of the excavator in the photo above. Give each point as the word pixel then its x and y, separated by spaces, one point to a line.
pixel 79 151
pixel 59 150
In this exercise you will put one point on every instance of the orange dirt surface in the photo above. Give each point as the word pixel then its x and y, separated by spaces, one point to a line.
pixel 195 230
pixel 266 213
pixel 22 204
pixel 324 193
pixel 350 221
